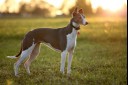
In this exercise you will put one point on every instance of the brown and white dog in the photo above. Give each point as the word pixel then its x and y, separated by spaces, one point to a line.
pixel 61 39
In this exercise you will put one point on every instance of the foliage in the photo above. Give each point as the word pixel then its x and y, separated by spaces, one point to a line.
pixel 83 4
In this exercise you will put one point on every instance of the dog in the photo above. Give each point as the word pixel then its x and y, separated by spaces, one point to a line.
pixel 61 39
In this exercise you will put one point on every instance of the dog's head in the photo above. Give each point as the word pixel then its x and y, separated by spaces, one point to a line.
pixel 78 16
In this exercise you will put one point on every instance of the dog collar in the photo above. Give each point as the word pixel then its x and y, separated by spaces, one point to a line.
pixel 76 28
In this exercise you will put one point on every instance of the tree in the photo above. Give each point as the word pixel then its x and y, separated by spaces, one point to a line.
pixel 36 10
pixel 99 11
pixel 82 4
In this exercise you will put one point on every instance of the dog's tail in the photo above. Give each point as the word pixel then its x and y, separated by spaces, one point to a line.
pixel 16 55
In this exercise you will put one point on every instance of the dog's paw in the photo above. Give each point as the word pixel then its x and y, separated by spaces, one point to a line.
pixel 62 72
pixel 16 75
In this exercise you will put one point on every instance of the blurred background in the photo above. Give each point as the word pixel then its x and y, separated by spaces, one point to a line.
pixel 57 8
pixel 100 57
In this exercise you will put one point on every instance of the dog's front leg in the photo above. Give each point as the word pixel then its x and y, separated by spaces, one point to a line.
pixel 63 59
pixel 70 56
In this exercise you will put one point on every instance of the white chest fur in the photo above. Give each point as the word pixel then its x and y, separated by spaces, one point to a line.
pixel 71 40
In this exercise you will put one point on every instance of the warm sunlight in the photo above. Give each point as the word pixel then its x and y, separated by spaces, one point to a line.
pixel 56 3
pixel 58 7
pixel 111 5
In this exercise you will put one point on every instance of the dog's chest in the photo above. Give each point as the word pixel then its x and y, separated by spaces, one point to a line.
pixel 71 40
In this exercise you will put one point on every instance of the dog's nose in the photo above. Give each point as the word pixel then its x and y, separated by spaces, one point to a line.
pixel 86 23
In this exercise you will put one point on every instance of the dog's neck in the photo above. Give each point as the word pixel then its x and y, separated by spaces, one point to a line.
pixel 75 25
pixel 72 25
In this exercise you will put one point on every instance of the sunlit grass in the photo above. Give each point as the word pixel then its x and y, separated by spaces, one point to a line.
pixel 99 58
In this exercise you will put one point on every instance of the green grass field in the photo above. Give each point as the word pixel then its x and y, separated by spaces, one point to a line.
pixel 100 56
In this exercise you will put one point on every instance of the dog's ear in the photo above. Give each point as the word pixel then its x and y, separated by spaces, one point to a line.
pixel 81 11
pixel 75 11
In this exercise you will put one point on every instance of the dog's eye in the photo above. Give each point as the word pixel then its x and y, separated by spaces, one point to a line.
pixel 83 16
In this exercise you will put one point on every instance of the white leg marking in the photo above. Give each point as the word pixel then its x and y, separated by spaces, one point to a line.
pixel 71 43
pixel 63 59
pixel 70 56
pixel 33 55
pixel 17 64
pixel 24 55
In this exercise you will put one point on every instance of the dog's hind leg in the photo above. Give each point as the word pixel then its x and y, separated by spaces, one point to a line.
pixel 33 55
pixel 24 55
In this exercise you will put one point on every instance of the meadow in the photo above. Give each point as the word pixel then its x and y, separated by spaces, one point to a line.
pixel 100 57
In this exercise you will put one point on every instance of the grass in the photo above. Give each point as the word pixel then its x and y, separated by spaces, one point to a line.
pixel 100 56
